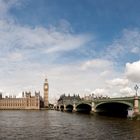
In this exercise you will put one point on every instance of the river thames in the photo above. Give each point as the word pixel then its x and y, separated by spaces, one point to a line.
pixel 55 125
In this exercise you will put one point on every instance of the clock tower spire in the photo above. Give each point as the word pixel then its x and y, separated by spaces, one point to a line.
pixel 46 91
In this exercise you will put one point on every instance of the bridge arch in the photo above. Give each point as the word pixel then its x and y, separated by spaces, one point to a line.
pixel 57 107
pixel 83 108
pixel 69 108
pixel 62 107
pixel 113 108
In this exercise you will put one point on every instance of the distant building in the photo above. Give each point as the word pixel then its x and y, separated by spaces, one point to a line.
pixel 94 97
pixel 63 98
pixel 27 101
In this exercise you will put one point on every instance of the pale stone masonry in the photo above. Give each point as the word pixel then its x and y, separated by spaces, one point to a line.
pixel 27 101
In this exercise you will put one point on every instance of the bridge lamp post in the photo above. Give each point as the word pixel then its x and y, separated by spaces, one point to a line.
pixel 136 89
pixel 136 101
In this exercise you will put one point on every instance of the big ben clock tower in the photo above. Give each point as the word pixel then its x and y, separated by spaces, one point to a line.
pixel 46 91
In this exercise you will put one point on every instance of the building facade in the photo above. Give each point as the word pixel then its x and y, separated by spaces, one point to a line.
pixel 27 101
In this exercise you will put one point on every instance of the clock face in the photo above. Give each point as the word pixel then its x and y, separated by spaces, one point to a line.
pixel 45 86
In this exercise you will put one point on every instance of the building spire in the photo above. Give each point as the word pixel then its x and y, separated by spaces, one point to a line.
pixel 46 80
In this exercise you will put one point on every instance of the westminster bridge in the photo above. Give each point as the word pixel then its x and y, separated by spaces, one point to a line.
pixel 109 106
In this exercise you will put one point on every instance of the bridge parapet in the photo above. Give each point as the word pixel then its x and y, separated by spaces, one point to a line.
pixel 114 99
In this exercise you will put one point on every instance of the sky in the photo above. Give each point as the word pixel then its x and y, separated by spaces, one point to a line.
pixel 80 46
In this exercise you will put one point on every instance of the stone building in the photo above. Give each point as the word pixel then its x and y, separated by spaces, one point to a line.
pixel 63 98
pixel 27 101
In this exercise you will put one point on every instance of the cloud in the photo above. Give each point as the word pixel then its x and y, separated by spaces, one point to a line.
pixel 71 78
pixel 127 43
pixel 97 64
pixel 118 87
pixel 105 73
pixel 25 40
pixel 15 56
pixel 6 5
pixel 68 78
pixel 43 40
pixel 135 50
pixel 132 71
pixel 66 42
pixel 100 91
pixel 127 91
pixel 118 82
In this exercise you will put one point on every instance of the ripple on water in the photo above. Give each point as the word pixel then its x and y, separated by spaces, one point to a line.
pixel 54 125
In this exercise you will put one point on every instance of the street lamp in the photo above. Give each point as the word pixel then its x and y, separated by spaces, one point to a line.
pixel 136 89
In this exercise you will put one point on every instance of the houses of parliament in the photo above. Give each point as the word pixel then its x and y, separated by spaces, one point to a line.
pixel 27 101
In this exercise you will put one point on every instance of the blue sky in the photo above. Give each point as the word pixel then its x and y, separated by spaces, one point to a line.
pixel 82 46
pixel 104 17
pixel 104 20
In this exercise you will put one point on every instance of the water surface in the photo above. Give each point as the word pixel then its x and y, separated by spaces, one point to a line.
pixel 55 125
